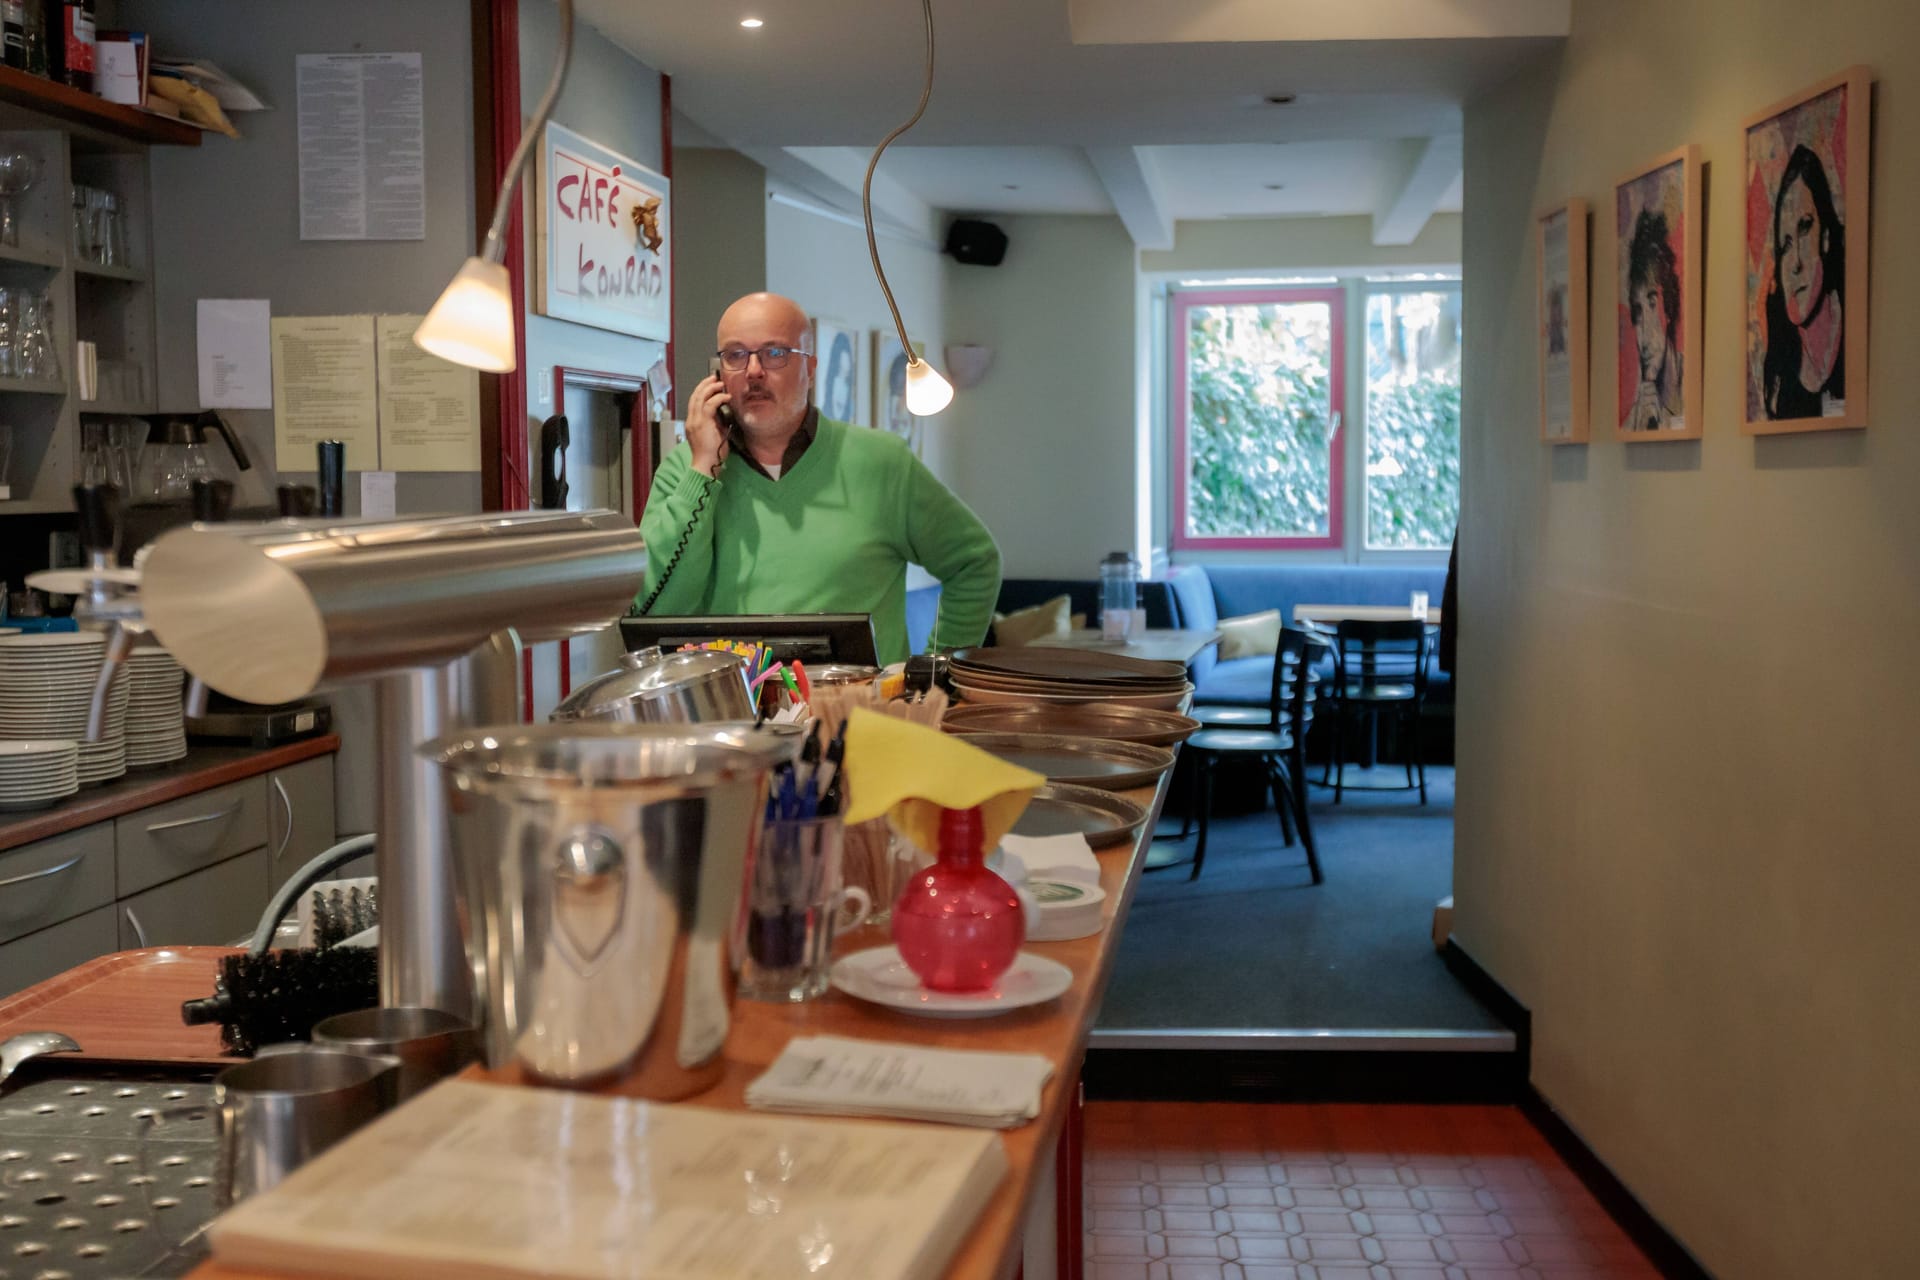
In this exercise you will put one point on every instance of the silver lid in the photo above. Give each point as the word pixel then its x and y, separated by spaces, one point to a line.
pixel 696 685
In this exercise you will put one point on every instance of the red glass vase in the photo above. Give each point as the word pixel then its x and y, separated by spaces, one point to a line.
pixel 957 924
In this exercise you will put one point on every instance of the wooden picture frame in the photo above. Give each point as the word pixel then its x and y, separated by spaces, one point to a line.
pixel 1561 239
pixel 1807 156
pixel 889 388
pixel 1657 365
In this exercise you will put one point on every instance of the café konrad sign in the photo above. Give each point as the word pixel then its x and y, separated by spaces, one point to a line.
pixel 603 234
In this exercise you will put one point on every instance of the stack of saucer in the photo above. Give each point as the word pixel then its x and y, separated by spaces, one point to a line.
pixel 156 721
pixel 35 773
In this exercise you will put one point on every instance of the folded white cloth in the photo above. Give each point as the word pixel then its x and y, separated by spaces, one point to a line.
pixel 836 1076
pixel 1067 857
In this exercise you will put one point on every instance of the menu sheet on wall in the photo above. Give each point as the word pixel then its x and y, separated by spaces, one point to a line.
pixel 363 146
pixel 324 388
pixel 429 407
pixel 360 379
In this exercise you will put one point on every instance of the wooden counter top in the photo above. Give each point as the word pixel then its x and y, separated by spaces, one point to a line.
pixel 86 1008
pixel 201 769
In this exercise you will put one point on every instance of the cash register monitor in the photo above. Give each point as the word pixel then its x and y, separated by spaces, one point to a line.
pixel 810 637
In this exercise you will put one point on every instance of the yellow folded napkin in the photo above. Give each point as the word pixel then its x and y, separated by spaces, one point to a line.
pixel 910 772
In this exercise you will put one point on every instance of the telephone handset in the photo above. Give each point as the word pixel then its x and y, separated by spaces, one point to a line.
pixel 730 423
pixel 724 414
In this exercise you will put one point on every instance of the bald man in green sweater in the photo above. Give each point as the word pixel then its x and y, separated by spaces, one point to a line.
pixel 797 513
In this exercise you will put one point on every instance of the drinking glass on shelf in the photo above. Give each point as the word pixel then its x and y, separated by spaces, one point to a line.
pixel 82 223
pixel 19 170
pixel 9 353
pixel 34 356
pixel 6 456
pixel 113 231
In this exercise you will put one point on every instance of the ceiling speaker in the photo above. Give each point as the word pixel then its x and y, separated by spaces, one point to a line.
pixel 976 243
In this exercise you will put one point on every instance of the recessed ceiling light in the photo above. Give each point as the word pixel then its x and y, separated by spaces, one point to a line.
pixel 1279 99
pixel 752 24
pixel 1276 186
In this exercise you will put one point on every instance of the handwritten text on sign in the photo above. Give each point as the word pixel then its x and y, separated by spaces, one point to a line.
pixel 604 224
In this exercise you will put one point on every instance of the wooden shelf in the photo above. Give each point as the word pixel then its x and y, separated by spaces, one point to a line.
pixel 94 270
pixel 63 102
pixel 115 408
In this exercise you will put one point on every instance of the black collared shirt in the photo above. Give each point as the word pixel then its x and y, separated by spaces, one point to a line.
pixel 809 428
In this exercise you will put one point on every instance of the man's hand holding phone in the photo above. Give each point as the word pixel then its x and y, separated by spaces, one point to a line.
pixel 710 438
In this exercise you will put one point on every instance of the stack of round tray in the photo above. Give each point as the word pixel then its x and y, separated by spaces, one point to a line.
pixel 1101 816
pixel 1080 762
pixel 1068 677
pixel 1072 720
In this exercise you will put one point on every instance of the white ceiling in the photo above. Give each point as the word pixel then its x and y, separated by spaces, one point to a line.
pixel 1027 118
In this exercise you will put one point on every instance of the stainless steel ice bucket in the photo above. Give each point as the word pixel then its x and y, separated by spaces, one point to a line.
pixel 601 877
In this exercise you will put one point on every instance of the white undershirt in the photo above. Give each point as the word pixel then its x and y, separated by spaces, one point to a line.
pixel 774 471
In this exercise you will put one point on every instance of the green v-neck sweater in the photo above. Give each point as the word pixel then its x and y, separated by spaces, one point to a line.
pixel 834 534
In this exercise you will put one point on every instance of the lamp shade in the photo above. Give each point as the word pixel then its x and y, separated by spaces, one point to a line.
pixel 472 323
pixel 927 392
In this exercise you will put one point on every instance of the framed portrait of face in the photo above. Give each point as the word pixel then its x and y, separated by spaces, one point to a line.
pixel 890 387
pixel 1806 258
pixel 839 375
pixel 1562 234
pixel 1656 229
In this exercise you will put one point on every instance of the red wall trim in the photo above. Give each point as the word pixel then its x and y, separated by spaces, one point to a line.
pixel 673 276
pixel 1183 304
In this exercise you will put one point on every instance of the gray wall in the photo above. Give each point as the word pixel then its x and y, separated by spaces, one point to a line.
pixel 1685 832
pixel 227 213
pixel 720 208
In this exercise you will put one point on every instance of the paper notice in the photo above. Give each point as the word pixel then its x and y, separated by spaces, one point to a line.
pixel 429 407
pixel 377 501
pixel 236 353
pixel 324 389
pixel 363 152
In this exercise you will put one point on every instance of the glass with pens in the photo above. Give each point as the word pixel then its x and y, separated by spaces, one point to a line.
pixel 796 901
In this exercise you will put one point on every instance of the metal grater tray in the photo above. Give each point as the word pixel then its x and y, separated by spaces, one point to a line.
pixel 90 1187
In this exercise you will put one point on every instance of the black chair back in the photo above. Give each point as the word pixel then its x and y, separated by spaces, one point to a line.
pixel 1290 697
pixel 1381 661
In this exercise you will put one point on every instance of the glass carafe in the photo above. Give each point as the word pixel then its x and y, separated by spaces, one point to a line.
pixel 177 454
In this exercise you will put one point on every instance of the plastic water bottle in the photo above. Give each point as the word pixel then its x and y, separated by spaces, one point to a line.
pixel 1119 595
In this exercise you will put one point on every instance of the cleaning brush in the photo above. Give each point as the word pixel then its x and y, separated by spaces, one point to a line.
pixel 278 995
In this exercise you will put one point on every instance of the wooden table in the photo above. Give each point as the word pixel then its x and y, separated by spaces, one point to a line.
pixel 128 1005
pixel 1155 644
pixel 1329 615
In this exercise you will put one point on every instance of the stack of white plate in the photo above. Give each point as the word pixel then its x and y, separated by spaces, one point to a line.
pixel 35 773
pixel 46 687
pixel 156 718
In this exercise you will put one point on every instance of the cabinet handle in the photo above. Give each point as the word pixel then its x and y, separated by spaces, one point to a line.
pixel 286 837
pixel 175 825
pixel 43 873
pixel 139 934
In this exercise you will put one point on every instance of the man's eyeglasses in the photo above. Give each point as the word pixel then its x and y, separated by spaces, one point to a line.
pixel 736 358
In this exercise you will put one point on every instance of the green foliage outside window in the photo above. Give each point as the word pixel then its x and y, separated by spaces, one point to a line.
pixel 1257 428
pixel 1413 462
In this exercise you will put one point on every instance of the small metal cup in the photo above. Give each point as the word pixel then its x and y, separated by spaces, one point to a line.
pixel 276 1113
pixel 429 1044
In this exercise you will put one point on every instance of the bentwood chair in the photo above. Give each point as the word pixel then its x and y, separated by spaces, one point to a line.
pixel 1279 744
pixel 1379 669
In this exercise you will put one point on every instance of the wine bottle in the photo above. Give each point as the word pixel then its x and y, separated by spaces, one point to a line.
pixel 13 32
pixel 76 30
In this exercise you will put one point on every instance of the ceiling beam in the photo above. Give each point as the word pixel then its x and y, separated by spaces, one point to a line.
pixel 1408 204
pixel 1133 184
pixel 836 174
pixel 1221 21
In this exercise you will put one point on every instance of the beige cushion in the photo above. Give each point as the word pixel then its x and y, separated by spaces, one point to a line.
pixel 1024 626
pixel 1251 635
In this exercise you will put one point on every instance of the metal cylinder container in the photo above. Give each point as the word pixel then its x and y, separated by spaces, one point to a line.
pixel 601 877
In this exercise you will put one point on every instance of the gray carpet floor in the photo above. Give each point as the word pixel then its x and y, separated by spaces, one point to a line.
pixel 1254 944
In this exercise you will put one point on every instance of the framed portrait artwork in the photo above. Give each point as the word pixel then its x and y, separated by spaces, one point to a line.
pixel 1562 234
pixel 1806 258
pixel 890 387
pixel 1656 228
pixel 839 379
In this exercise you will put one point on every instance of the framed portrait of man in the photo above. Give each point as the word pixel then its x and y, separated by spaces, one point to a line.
pixel 839 373
pixel 1806 258
pixel 1656 227
pixel 1562 234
